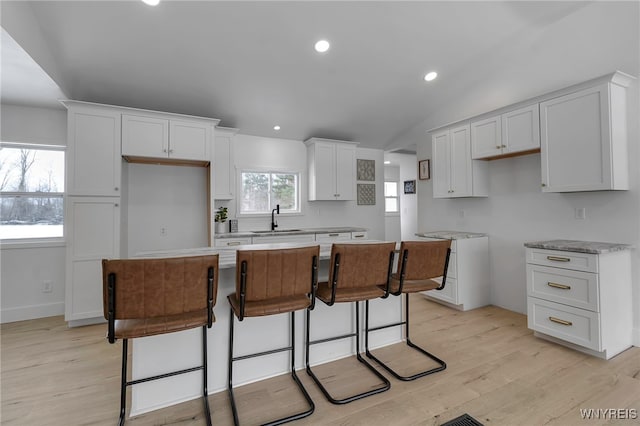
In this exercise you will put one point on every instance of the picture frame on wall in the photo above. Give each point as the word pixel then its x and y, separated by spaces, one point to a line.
pixel 424 169
pixel 409 186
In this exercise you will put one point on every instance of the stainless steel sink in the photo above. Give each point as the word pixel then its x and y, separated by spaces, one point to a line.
pixel 276 231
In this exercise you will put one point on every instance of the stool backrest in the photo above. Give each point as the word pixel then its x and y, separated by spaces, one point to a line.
pixel 276 273
pixel 361 265
pixel 423 260
pixel 151 288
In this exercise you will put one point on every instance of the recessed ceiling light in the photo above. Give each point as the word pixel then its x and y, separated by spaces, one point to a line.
pixel 151 2
pixel 387 162
pixel 276 127
pixel 322 46
pixel 430 76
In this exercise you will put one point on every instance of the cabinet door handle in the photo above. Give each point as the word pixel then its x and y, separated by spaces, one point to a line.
pixel 233 243
pixel 560 321
pixel 170 151
pixel 544 184
pixel 497 146
pixel 560 286
pixel 116 205
pixel 116 188
pixel 333 235
pixel 358 236
pixel 558 259
pixel 164 150
pixel 504 146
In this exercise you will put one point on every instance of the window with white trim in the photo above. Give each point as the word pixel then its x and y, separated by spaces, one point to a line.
pixel 261 191
pixel 31 191
pixel 391 199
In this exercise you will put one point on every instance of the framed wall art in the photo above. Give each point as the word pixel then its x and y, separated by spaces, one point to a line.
pixel 409 186
pixel 424 169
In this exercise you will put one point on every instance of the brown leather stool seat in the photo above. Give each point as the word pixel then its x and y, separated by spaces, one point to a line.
pixel 419 264
pixel 357 272
pixel 147 297
pixel 271 282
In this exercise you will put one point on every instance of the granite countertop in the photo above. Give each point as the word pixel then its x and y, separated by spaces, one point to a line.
pixel 227 255
pixel 450 235
pixel 592 247
pixel 285 231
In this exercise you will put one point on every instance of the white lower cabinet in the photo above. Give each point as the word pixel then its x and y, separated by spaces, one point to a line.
pixel 467 285
pixel 582 300
pixel 333 237
pixel 298 238
pixel 230 242
pixel 93 234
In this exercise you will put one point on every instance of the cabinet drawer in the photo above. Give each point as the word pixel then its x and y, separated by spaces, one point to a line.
pixel 333 236
pixel 229 242
pixel 563 259
pixel 362 235
pixel 449 293
pixel 574 325
pixel 574 288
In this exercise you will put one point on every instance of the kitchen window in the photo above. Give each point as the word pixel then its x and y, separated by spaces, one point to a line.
pixel 31 191
pixel 260 192
pixel 391 199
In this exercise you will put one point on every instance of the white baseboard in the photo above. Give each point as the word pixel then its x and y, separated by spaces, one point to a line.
pixel 24 313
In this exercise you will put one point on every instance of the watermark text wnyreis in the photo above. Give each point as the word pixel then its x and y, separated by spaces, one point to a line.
pixel 609 413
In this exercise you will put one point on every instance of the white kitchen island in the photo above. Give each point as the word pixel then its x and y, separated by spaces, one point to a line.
pixel 163 353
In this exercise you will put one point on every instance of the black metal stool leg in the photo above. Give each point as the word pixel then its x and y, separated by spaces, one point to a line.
pixel 386 385
pixel 123 382
pixel 442 365
pixel 294 376
pixel 205 391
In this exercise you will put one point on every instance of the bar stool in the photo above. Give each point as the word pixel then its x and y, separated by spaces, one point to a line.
pixel 357 272
pixel 147 297
pixel 420 262
pixel 270 282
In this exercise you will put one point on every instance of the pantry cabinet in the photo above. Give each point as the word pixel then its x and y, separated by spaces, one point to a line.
pixel 152 137
pixel 581 300
pixel 224 163
pixel 92 227
pixel 93 151
pixel 332 169
pixel 455 174
pixel 584 138
pixel 508 134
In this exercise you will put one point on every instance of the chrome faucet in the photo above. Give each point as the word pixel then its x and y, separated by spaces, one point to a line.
pixel 274 224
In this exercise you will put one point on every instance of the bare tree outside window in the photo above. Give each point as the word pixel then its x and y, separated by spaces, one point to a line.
pixel 32 188
pixel 262 191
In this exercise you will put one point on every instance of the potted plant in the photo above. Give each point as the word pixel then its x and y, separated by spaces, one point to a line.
pixel 220 218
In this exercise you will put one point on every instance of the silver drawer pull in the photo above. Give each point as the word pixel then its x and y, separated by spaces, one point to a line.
pixel 558 259
pixel 358 236
pixel 334 235
pixel 233 243
pixel 560 321
pixel 560 286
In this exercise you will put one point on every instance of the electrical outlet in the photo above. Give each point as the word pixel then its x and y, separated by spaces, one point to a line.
pixel 163 232
pixel 581 213
pixel 47 286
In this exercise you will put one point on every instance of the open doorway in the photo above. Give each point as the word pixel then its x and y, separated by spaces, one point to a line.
pixel 401 203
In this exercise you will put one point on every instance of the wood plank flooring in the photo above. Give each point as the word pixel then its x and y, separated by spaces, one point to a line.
pixel 497 372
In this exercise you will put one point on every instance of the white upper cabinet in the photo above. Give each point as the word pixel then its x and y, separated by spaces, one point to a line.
pixel 223 163
pixel 514 132
pixel 584 138
pixel 455 174
pixel 151 137
pixel 332 169
pixel 93 151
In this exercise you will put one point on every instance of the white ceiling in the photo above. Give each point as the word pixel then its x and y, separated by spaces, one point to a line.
pixel 252 64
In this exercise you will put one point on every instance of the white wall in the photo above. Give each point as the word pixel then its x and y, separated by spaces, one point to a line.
pixel 166 207
pixel 290 155
pixel 25 266
pixel 516 211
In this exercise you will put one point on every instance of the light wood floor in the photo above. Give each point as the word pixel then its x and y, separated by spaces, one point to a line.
pixel 498 372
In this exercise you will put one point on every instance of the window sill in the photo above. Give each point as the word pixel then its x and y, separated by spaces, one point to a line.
pixel 32 243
